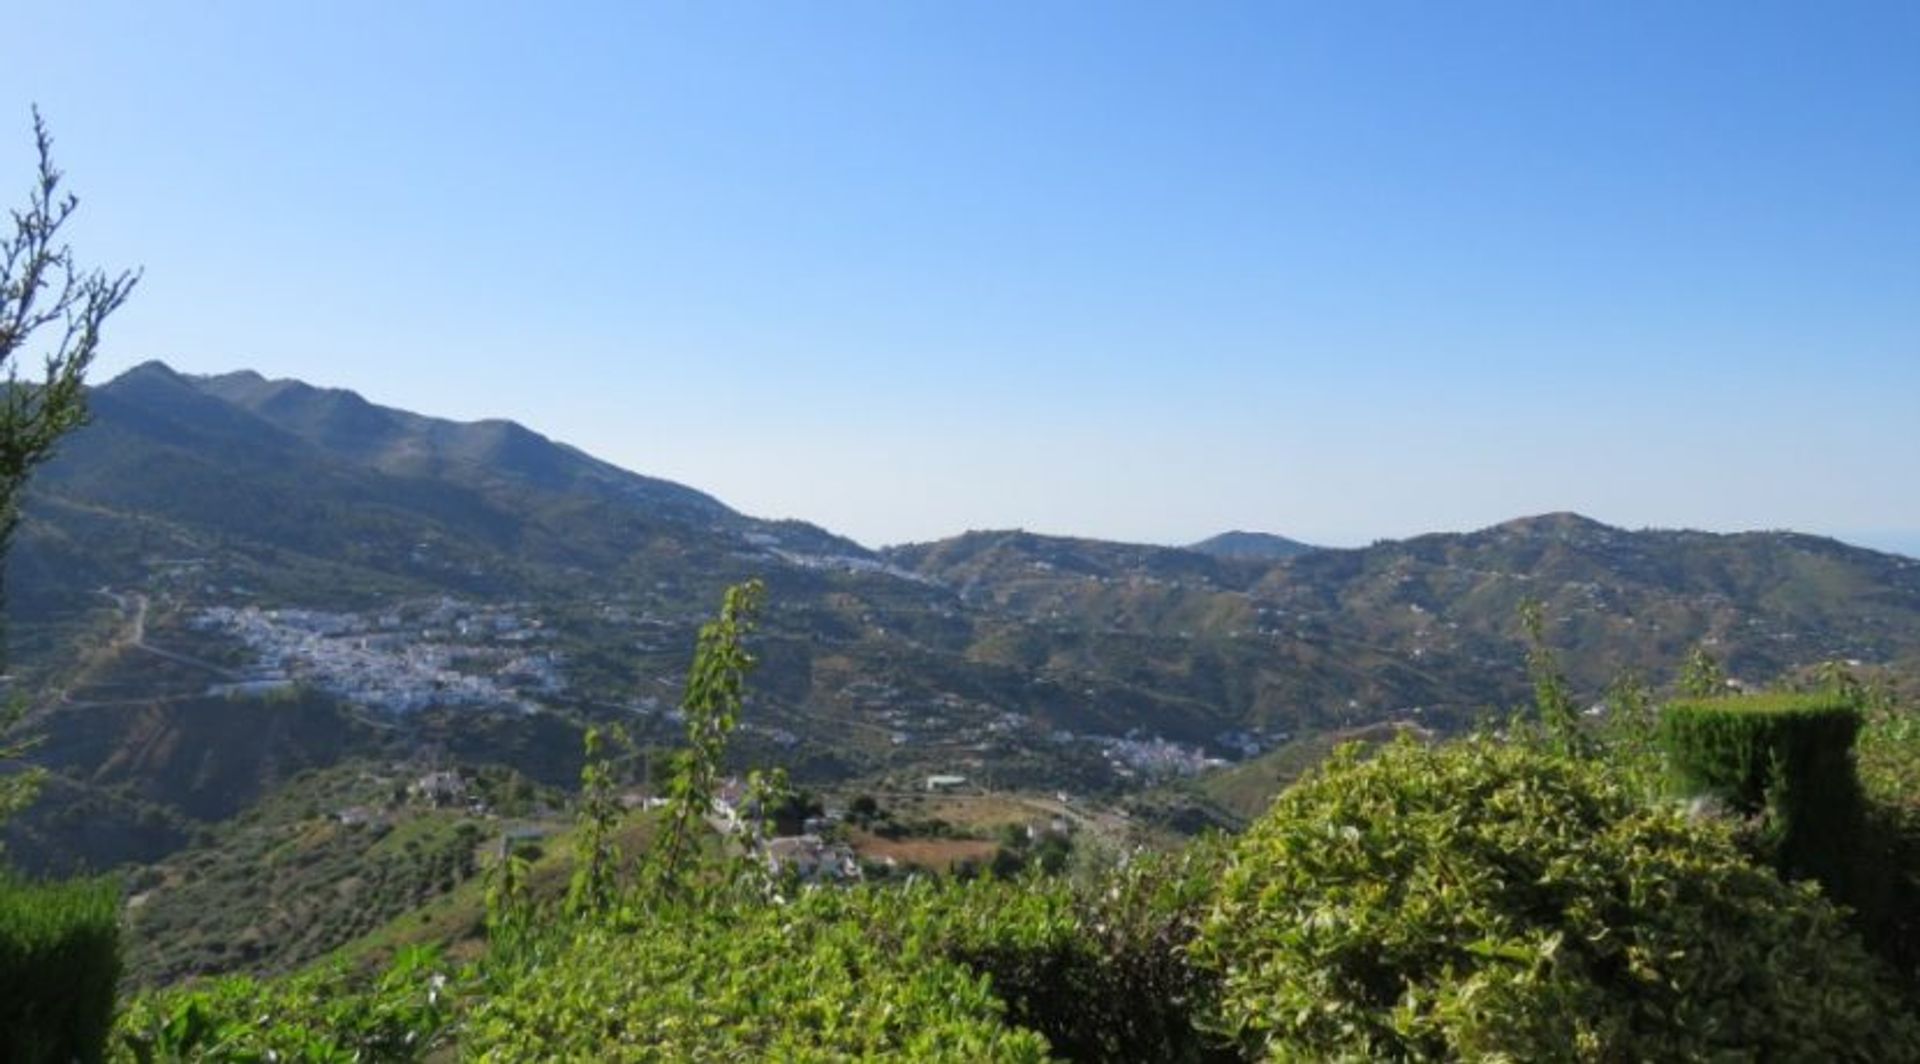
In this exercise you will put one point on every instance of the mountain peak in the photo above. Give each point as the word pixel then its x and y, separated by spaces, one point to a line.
pixel 1255 546
pixel 1560 523
pixel 397 442
pixel 155 385
pixel 151 369
pixel 252 390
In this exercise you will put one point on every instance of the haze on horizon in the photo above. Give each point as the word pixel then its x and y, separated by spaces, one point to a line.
pixel 1139 272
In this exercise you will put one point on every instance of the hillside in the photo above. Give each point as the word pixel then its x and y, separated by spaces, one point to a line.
pixel 225 581
pixel 1443 604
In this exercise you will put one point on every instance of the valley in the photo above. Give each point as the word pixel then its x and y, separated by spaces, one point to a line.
pixel 227 584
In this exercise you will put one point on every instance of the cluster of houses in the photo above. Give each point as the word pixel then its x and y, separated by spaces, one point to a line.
pixel 440 789
pixel 399 661
pixel 809 856
pixel 1153 756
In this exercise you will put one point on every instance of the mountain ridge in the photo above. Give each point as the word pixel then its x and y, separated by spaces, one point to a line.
pixel 289 404
pixel 405 443
pixel 1050 661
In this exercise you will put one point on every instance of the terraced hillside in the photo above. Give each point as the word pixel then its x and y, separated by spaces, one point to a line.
pixel 225 581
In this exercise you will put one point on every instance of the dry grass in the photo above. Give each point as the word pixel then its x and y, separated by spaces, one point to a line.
pixel 936 854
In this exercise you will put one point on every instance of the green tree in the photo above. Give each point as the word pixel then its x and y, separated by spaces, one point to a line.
pixel 1552 698
pixel 716 688
pixel 53 308
pixel 597 854
pixel 1834 677
pixel 1702 676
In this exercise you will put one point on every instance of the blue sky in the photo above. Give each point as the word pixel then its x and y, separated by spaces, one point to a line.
pixel 1339 271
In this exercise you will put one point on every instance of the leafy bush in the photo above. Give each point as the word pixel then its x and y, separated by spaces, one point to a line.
pixel 59 961
pixel 1482 900
pixel 929 969
pixel 747 980
pixel 1890 775
pixel 1101 970
pixel 1789 756
pixel 324 1016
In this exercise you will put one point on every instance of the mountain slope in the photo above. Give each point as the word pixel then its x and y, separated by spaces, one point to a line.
pixel 239 466
pixel 1765 601
pixel 404 444
pixel 208 534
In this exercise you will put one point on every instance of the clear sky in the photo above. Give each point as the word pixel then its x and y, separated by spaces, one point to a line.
pixel 1335 270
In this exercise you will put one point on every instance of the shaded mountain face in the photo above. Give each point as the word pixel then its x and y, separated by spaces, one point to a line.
pixel 173 551
pixel 477 453
pixel 258 468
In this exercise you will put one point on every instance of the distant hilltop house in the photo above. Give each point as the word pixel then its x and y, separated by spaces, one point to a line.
pixel 439 788
pixel 945 783
pixel 643 800
pixel 812 859
pixel 1057 826
pixel 356 816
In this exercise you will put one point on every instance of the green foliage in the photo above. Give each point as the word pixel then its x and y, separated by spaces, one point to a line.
pixel 1836 679
pixel 59 961
pixel 1476 900
pixel 597 855
pixel 1100 968
pixel 41 287
pixel 1630 734
pixel 1889 767
pixel 716 687
pixel 1234 796
pixel 784 808
pixel 321 1018
pixel 1491 901
pixel 729 968
pixel 1552 698
pixel 1701 675
pixel 751 981
pixel 1889 748
pixel 280 886
pixel 18 790
pixel 512 916
pixel 773 806
pixel 1788 757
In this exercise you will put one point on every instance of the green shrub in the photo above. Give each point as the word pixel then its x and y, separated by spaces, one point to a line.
pixel 1788 756
pixel 1101 970
pixel 1889 753
pixel 747 980
pixel 328 1015
pixel 59 961
pixel 1481 900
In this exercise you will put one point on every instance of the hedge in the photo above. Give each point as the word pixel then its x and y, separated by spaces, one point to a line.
pixel 1788 756
pixel 59 962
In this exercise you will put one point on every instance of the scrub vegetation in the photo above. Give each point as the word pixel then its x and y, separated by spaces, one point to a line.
pixel 1556 888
